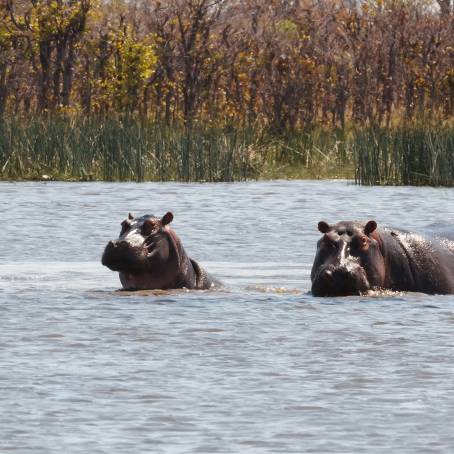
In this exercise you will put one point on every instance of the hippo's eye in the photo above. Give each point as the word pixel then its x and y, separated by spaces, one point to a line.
pixel 149 227
pixel 360 243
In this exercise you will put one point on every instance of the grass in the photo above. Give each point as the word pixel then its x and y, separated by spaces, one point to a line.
pixel 128 149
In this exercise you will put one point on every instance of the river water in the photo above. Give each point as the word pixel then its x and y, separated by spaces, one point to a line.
pixel 259 366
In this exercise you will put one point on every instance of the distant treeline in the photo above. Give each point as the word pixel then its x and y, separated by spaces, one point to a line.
pixel 283 64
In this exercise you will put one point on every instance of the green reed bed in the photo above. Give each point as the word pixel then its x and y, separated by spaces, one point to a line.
pixel 410 155
pixel 130 149
pixel 119 150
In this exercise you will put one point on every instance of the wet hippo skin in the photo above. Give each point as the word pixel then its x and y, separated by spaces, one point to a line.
pixel 353 257
pixel 149 255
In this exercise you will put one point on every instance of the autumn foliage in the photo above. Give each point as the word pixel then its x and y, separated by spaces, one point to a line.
pixel 281 64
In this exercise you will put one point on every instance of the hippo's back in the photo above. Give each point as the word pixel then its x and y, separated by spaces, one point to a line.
pixel 430 257
pixel 203 280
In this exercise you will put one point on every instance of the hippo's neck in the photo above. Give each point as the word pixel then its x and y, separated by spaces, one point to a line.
pixel 190 274
pixel 186 276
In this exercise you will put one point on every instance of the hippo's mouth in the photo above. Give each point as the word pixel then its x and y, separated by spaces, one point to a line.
pixel 340 281
pixel 118 257
pixel 123 265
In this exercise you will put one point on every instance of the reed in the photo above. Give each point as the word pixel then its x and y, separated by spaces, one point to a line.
pixel 130 149
pixel 121 149
pixel 406 155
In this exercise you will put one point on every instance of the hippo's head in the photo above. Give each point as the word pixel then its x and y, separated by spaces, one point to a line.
pixel 146 253
pixel 349 260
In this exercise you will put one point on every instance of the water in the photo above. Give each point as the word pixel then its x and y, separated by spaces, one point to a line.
pixel 259 366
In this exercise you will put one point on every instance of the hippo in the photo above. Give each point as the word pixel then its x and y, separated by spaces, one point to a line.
pixel 149 255
pixel 355 257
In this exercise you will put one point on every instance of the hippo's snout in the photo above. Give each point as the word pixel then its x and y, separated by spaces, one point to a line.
pixel 111 245
pixel 119 255
pixel 340 281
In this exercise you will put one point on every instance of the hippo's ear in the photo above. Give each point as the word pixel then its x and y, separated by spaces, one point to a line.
pixel 370 227
pixel 167 218
pixel 323 227
pixel 130 216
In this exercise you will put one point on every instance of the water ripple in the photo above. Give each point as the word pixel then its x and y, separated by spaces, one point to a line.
pixel 256 366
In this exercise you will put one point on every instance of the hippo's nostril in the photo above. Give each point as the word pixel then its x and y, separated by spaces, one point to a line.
pixel 121 246
pixel 328 274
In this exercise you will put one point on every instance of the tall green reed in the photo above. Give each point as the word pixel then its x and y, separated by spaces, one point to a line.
pixel 122 149
pixel 406 155
pixel 131 149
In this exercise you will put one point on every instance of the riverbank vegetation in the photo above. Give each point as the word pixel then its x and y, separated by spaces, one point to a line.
pixel 220 90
